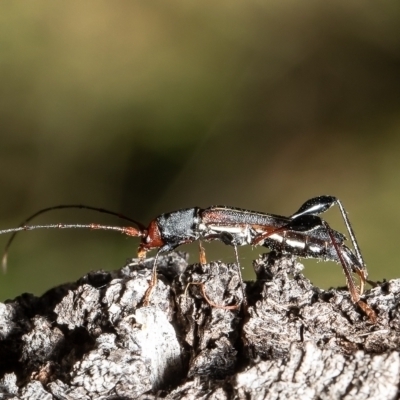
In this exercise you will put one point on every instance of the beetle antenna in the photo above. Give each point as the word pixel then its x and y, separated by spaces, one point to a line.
pixel 61 206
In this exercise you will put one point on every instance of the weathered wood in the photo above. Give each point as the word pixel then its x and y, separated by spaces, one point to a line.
pixel 93 339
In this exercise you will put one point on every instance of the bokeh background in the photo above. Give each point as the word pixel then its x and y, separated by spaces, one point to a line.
pixel 148 107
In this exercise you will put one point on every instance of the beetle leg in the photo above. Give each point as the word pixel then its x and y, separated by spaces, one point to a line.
pixel 208 301
pixel 202 254
pixel 152 283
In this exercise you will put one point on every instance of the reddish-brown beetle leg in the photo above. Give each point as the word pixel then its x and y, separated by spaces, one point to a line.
pixel 152 283
pixel 368 311
pixel 208 301
pixel 202 254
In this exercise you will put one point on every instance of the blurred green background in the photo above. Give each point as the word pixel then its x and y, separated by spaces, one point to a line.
pixel 148 107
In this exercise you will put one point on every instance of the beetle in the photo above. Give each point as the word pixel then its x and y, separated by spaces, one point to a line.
pixel 304 234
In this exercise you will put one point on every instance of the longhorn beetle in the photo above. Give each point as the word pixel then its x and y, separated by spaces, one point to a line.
pixel 303 234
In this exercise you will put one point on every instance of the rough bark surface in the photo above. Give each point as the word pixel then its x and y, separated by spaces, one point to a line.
pixel 94 339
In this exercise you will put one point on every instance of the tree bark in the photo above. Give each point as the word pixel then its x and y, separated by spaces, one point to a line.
pixel 94 339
